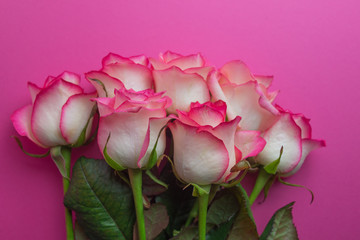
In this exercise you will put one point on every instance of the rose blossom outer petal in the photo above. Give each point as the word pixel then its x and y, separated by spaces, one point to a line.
pixel 112 58
pixel 266 81
pixel 202 71
pixel 70 77
pixel 213 82
pixel 133 76
pixel 182 88
pixel 284 133
pixel 140 59
pixel 105 105
pixel 308 145
pixel 75 114
pixel 244 100
pixel 34 91
pixel 158 64
pixel 237 72
pixel 304 124
pixel 168 56
pixel 199 157
pixel 45 121
pixel 190 61
pixel 249 143
pixel 226 132
pixel 155 124
pixel 128 131
pixel 21 120
pixel 109 82
pixel 49 80
pixel 206 115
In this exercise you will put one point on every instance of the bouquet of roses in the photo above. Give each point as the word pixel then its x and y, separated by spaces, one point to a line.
pixel 177 137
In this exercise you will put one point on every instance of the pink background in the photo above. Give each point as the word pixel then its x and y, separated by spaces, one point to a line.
pixel 311 46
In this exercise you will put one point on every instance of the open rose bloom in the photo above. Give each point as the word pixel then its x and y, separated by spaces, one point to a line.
pixel 129 126
pixel 59 113
pixel 204 144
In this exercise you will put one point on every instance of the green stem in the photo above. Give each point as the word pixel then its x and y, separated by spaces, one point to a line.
pixel 135 176
pixel 66 153
pixel 261 180
pixel 203 204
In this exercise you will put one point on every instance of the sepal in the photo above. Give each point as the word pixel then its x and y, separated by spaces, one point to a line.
pixel 109 160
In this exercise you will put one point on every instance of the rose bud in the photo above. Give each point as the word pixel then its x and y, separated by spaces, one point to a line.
pixel 59 113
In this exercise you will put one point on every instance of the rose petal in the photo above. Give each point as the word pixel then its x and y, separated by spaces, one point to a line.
pixel 237 72
pixel 266 81
pixel 226 132
pixel 191 61
pixel 155 124
pixel 112 58
pixel 21 120
pixel 245 101
pixel 284 133
pixel 206 115
pixel 109 82
pixel 140 59
pixel 199 157
pixel 182 88
pixel 75 115
pixel 47 112
pixel 168 56
pixel 249 143
pixel 128 131
pixel 34 91
pixel 304 124
pixel 133 76
pixel 202 71
pixel 70 77
pixel 308 145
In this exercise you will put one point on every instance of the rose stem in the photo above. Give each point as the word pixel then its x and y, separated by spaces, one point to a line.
pixel 136 185
pixel 203 204
pixel 261 180
pixel 66 152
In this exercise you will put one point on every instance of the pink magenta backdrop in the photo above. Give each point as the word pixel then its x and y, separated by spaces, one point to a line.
pixel 310 46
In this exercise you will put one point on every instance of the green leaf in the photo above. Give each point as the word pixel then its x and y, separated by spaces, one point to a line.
pixel 27 153
pixel 156 220
pixel 244 226
pixel 109 160
pixel 102 203
pixel 223 208
pixel 271 168
pixel 281 225
pixel 79 232
pixel 222 231
pixel 59 160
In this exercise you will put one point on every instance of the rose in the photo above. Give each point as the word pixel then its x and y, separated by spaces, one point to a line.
pixel 129 126
pixel 204 150
pixel 183 79
pixel 119 72
pixel 59 113
pixel 293 133
pixel 245 94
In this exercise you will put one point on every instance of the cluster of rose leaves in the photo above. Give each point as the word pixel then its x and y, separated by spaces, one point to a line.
pixel 216 119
